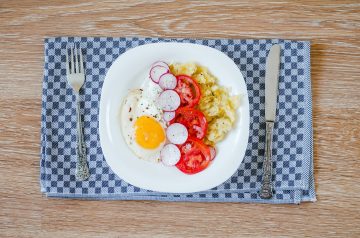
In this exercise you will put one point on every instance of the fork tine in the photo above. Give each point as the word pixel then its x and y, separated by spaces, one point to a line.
pixel 67 62
pixel 81 61
pixel 76 60
pixel 72 60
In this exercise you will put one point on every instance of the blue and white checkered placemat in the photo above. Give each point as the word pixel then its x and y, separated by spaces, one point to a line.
pixel 292 153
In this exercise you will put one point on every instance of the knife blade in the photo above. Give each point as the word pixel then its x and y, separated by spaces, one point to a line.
pixel 271 93
pixel 272 82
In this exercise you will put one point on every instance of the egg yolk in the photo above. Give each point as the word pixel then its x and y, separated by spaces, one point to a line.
pixel 149 134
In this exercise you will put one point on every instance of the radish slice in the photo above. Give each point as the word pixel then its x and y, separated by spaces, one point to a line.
pixel 160 63
pixel 168 116
pixel 212 152
pixel 170 155
pixel 168 100
pixel 177 133
pixel 156 72
pixel 167 81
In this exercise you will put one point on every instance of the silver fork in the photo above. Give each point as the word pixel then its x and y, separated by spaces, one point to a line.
pixel 76 77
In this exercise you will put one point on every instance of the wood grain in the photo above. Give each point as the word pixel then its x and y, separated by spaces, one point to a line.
pixel 333 28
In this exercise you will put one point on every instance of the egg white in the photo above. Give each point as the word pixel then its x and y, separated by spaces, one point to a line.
pixel 141 102
pixel 150 90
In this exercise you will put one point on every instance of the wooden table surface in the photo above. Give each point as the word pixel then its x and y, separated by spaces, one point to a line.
pixel 334 30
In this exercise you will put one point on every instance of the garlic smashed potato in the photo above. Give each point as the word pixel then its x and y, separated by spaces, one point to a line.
pixel 218 106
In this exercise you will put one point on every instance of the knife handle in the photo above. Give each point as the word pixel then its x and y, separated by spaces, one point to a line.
pixel 266 191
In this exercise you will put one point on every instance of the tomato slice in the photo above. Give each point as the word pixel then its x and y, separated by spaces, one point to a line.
pixel 193 119
pixel 195 156
pixel 189 91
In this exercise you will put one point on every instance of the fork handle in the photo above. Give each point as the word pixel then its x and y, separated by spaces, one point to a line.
pixel 266 191
pixel 82 169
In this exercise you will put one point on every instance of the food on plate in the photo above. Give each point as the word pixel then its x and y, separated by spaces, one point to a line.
pixel 168 116
pixel 142 125
pixel 189 91
pixel 195 156
pixel 193 119
pixel 168 100
pixel 167 81
pixel 178 116
pixel 160 63
pixel 177 133
pixel 156 72
pixel 216 102
pixel 170 155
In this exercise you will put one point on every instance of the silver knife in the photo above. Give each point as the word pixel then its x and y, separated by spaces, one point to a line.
pixel 271 94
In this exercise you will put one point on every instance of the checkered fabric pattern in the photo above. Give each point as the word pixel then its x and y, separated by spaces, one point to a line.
pixel 292 153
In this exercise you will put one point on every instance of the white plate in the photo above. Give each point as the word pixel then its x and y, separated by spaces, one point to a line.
pixel 127 73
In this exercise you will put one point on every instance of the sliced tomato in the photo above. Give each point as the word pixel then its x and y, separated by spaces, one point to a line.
pixel 189 91
pixel 195 156
pixel 193 119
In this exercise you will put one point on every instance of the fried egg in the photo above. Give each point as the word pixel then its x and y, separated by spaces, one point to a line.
pixel 141 122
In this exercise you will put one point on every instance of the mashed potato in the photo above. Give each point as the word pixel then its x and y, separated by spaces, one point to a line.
pixel 218 106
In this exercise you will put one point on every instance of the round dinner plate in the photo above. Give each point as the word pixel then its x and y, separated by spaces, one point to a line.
pixel 129 71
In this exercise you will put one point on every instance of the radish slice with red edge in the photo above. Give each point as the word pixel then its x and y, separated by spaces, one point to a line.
pixel 168 100
pixel 156 72
pixel 170 155
pixel 177 133
pixel 212 152
pixel 160 63
pixel 168 116
pixel 167 81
